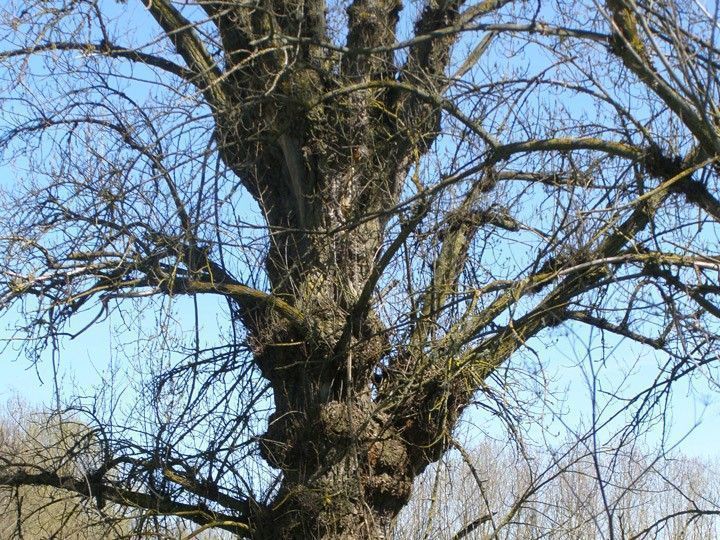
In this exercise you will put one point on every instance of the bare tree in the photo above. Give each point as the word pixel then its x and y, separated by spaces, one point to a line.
pixel 397 202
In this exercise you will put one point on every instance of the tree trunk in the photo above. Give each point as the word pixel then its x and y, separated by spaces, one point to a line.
pixel 347 470
pixel 343 478
pixel 327 178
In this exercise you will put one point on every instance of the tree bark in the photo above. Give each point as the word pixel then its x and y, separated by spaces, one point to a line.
pixel 326 178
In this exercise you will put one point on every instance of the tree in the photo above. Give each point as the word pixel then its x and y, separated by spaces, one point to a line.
pixel 396 201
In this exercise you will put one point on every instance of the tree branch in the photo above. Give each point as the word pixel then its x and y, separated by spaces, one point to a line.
pixel 180 31
pixel 628 45
pixel 155 503
pixel 371 25
pixel 111 51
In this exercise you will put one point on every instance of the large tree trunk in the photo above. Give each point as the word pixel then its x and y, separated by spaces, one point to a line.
pixel 346 470
pixel 326 182
pixel 327 176
pixel 344 478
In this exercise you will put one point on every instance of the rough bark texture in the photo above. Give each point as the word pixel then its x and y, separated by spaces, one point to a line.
pixel 326 173
pixel 348 469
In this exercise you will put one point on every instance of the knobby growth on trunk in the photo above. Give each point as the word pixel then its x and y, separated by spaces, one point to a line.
pixel 393 199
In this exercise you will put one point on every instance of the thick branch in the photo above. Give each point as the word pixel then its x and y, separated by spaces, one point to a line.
pixel 110 50
pixel 567 144
pixel 448 264
pixel 428 59
pixel 425 69
pixel 552 310
pixel 155 503
pixel 371 25
pixel 628 45
pixel 602 324
pixel 697 193
pixel 181 32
